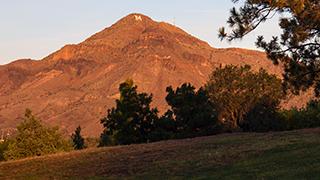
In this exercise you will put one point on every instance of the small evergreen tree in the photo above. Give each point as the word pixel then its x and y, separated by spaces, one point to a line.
pixel 34 139
pixel 77 139
pixel 132 120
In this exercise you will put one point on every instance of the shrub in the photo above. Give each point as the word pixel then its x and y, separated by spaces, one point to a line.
pixel 307 117
pixel 263 117
pixel 3 149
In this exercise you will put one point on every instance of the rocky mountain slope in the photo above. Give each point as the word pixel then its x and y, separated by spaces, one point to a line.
pixel 75 85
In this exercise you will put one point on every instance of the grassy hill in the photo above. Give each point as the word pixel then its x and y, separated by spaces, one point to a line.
pixel 283 155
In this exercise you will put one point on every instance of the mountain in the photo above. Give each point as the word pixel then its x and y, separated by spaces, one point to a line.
pixel 75 85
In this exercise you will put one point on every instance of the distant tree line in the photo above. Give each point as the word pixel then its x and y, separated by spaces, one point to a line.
pixel 235 98
pixel 133 120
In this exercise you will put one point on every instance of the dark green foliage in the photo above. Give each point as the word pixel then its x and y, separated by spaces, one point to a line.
pixel 3 148
pixel 132 120
pixel 34 139
pixel 308 117
pixel 192 111
pixel 263 117
pixel 312 114
pixel 298 47
pixel 77 139
pixel 165 127
pixel 236 91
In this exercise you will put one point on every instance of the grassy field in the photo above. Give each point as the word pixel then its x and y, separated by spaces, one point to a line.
pixel 283 155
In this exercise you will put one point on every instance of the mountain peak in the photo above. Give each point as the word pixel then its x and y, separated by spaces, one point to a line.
pixel 134 19
pixel 133 26
pixel 137 17
pixel 134 31
pixel 126 29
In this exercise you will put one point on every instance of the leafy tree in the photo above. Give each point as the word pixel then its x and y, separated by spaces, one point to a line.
pixel 77 139
pixel 237 90
pixel 298 47
pixel 193 113
pixel 132 120
pixel 34 139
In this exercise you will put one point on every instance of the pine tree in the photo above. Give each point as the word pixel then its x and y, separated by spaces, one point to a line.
pixel 297 48
pixel 132 120
pixel 77 139
pixel 193 113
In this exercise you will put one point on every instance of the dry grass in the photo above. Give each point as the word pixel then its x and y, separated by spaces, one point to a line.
pixel 230 156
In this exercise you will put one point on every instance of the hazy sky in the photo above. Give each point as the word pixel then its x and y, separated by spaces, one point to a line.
pixel 36 28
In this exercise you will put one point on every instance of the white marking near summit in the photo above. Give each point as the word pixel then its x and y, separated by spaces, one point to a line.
pixel 138 18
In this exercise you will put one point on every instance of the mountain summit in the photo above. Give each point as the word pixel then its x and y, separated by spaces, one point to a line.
pixel 135 30
pixel 75 85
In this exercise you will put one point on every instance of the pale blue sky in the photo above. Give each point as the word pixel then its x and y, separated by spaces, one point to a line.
pixel 36 28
